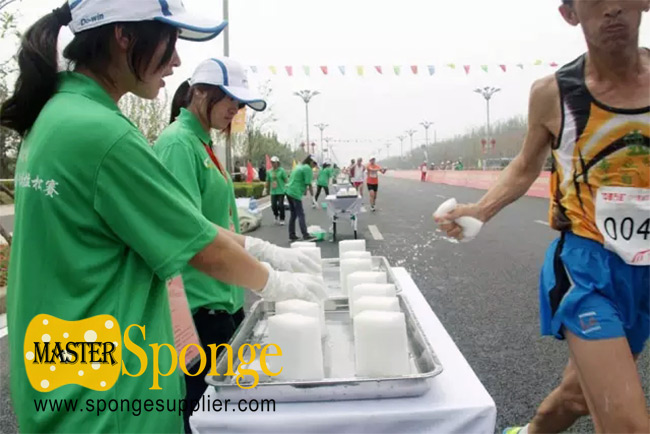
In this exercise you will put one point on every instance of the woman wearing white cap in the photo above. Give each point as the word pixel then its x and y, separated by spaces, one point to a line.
pixel 276 179
pixel 210 100
pixel 100 225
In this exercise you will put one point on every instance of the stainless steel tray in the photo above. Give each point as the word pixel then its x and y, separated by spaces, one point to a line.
pixel 332 270
pixel 340 382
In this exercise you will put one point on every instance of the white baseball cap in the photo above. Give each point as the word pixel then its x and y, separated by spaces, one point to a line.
pixel 88 14
pixel 372 158
pixel 229 76
pixel 275 159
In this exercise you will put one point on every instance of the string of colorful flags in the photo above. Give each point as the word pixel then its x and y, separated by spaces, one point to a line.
pixel 362 70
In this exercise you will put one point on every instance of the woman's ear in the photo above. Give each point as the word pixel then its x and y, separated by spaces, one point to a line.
pixel 121 38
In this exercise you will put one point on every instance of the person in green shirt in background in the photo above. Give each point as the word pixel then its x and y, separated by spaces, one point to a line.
pixel 276 179
pixel 299 184
pixel 100 224
pixel 211 99
pixel 323 181
pixel 336 171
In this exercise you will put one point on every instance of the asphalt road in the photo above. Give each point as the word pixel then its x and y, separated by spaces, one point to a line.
pixel 484 292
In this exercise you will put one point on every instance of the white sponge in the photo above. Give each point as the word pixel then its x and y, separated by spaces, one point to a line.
pixel 471 226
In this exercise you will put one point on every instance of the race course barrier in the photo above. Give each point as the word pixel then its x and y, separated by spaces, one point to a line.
pixel 481 179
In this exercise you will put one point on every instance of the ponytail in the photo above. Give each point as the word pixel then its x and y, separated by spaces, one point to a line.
pixel 181 100
pixel 37 81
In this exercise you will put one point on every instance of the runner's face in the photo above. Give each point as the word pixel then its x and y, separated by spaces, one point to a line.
pixel 607 24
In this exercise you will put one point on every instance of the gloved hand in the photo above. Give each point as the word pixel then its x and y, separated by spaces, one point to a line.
pixel 283 285
pixel 282 258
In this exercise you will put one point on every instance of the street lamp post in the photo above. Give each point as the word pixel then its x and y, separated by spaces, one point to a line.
pixel 226 53
pixel 426 125
pixel 387 150
pixel 306 96
pixel 401 145
pixel 321 127
pixel 487 93
pixel 410 133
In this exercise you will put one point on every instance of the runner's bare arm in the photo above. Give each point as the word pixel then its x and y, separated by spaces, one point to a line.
pixel 520 174
pixel 227 261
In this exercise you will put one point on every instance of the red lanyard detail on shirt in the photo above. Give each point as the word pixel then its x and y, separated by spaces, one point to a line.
pixel 215 160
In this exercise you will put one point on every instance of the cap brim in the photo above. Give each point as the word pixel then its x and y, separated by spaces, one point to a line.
pixel 193 28
pixel 246 96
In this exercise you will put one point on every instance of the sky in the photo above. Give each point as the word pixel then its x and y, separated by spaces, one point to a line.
pixel 366 113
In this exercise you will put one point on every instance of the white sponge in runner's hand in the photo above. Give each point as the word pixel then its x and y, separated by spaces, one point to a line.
pixel 471 226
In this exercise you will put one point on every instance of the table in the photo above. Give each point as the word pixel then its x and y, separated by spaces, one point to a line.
pixel 456 403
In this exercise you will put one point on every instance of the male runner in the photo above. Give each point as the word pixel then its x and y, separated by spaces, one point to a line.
pixel 373 170
pixel 594 115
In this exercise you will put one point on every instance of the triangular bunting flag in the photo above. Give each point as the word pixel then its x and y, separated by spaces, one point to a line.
pixel 503 67
pixel 414 68
pixel 452 65
pixel 254 69
pixel 432 69
pixel 553 65
pixel 273 70
pixel 378 68
pixel 360 70
pixel 269 166
pixel 520 65
pixel 484 68
pixel 397 69
pixel 324 69
pixel 293 166
pixel 289 70
pixel 342 69
pixel 466 67
pixel 538 62
pixel 306 69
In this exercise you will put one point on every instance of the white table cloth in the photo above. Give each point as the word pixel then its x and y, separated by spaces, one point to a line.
pixel 456 403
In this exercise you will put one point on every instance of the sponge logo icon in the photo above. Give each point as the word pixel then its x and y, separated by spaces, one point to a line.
pixel 86 352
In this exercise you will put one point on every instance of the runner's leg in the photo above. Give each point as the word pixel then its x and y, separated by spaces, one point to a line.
pixel 611 384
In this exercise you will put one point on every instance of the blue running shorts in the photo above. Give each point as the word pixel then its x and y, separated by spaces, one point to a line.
pixel 593 293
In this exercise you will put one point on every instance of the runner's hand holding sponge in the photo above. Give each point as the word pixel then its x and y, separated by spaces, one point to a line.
pixel 471 226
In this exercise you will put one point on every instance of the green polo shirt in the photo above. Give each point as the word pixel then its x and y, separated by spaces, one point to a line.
pixel 277 178
pixel 300 178
pixel 181 149
pixel 324 177
pixel 100 225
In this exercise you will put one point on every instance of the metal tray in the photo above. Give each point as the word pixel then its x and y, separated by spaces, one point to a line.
pixel 340 382
pixel 332 271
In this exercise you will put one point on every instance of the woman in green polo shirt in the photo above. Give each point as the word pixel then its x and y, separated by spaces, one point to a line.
pixel 210 100
pixel 323 180
pixel 276 179
pixel 100 224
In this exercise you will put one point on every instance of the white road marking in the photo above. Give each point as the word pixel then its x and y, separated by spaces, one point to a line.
pixel 375 233
pixel 441 196
pixel 541 222
pixel 3 321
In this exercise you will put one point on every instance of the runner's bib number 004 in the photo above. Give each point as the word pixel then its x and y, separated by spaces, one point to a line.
pixel 623 218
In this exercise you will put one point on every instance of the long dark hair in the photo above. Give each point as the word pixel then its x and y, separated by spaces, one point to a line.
pixel 37 60
pixel 185 92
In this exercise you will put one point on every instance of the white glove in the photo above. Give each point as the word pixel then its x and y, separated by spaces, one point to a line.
pixel 282 258
pixel 283 285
